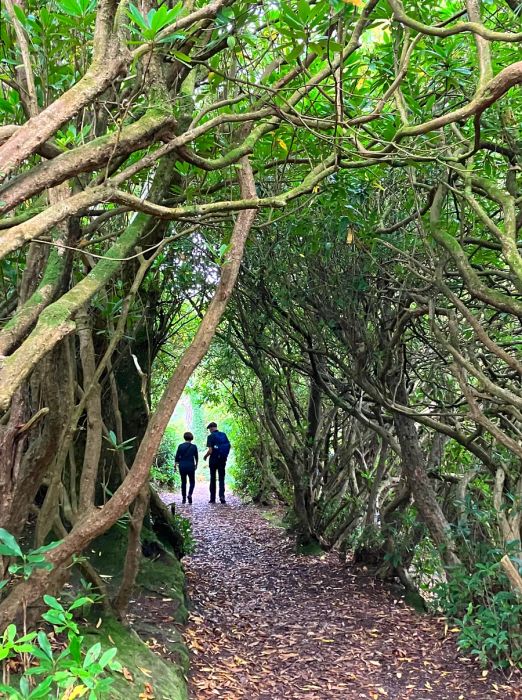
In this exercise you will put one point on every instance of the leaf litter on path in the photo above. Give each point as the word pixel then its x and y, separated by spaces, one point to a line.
pixel 270 624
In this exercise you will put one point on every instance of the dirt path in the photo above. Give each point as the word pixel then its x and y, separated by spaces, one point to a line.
pixel 268 624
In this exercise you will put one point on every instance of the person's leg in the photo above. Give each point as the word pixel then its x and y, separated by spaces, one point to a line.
pixel 212 468
pixel 183 475
pixel 221 472
pixel 192 482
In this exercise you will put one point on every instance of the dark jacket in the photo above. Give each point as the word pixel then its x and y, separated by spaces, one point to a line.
pixel 187 456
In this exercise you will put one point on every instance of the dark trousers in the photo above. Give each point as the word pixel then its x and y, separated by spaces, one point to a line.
pixel 217 466
pixel 191 473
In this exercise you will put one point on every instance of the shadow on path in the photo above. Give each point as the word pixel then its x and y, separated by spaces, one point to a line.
pixel 268 624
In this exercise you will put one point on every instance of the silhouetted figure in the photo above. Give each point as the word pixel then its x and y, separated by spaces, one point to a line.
pixel 187 461
pixel 218 448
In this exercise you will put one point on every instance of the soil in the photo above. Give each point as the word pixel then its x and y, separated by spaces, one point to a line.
pixel 269 624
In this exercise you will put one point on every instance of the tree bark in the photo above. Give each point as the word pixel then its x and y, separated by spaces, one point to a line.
pixel 511 572
pixel 133 555
pixel 99 520
pixel 415 468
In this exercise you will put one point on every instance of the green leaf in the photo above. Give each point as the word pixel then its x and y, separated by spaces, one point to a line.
pixel 182 57
pixel 135 15
pixel 45 645
pixel 92 655
pixel 222 250
pixel 79 602
pixel 20 14
pixel 27 637
pixel 107 657
pixel 6 106
pixel 75 649
pixel 9 544
pixel 171 38
pixel 53 603
pixel 71 7
pixel 291 19
pixel 33 558
pixel 24 686
pixel 42 689
pixel 23 648
pixel 53 617
pixel 10 633
pixel 45 662
pixel 46 547
pixel 227 13
pixel 303 10
pixel 127 442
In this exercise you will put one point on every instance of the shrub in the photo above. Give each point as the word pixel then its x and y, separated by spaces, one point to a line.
pixel 486 612
pixel 47 672
pixel 41 670
pixel 184 527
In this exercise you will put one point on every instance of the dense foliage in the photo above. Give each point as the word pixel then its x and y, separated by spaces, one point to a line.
pixel 365 157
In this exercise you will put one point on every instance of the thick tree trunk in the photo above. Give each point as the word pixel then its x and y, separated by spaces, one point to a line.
pixel 22 467
pixel 414 464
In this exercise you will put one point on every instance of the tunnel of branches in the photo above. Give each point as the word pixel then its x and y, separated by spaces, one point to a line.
pixel 308 211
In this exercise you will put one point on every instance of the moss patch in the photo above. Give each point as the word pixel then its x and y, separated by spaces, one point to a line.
pixel 162 574
pixel 165 577
pixel 312 549
pixel 415 601
pixel 158 605
pixel 274 517
pixel 149 672
pixel 107 553
pixel 286 521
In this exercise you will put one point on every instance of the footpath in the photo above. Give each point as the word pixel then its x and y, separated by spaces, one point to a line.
pixel 269 624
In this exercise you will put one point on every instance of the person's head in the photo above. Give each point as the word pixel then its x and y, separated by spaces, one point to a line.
pixel 212 426
pixel 188 437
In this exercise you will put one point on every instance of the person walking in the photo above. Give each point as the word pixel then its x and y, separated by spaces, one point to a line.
pixel 218 448
pixel 187 461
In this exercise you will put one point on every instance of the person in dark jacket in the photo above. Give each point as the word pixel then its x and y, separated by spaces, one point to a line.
pixel 187 462
pixel 218 447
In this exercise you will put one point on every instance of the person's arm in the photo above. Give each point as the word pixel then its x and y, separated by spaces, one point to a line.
pixel 176 458
pixel 196 457
pixel 209 448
